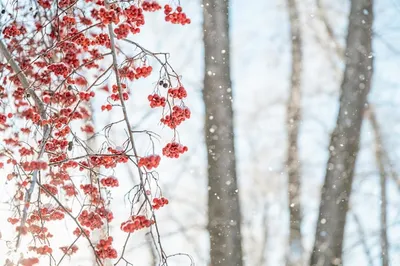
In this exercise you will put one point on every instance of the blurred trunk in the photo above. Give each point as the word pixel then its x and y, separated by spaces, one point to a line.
pixel 344 145
pixel 363 240
pixel 382 174
pixel 224 219
pixel 295 252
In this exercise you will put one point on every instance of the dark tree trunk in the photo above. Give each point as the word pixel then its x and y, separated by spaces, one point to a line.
pixel 293 118
pixel 223 199
pixel 344 144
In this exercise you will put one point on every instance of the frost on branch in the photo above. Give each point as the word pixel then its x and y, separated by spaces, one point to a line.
pixel 60 57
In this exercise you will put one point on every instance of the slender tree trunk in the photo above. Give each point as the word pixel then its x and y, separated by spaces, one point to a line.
pixel 382 178
pixel 363 240
pixel 295 252
pixel 344 145
pixel 224 218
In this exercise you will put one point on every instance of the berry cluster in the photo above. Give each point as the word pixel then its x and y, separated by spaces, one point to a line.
pixel 159 202
pixel 177 17
pixel 110 182
pixel 26 152
pixel 45 214
pixel 123 30
pixel 12 220
pixel 136 223
pixel 179 93
pixel 13 30
pixel 93 193
pixel 28 262
pixel 102 39
pixel 59 69
pixel 134 16
pixel 104 250
pixel 88 129
pixel 63 132
pixel 50 189
pixel 174 149
pixel 105 214
pixel 156 101
pixel 177 116
pixel 85 96
pixel 143 72
pixel 150 6
pixel 39 231
pixel 106 16
pixel 78 232
pixel 149 162
pixel 55 144
pixel 108 161
pixel 90 219
pixel 107 107
pixel 70 190
pixel 41 250
pixel 34 165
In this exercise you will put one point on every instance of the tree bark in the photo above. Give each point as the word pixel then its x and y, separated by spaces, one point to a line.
pixel 345 138
pixel 382 178
pixel 224 217
pixel 293 118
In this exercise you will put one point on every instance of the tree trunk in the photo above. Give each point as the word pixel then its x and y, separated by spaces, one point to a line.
pixel 382 178
pixel 295 252
pixel 345 138
pixel 224 218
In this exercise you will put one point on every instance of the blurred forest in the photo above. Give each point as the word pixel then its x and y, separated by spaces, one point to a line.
pixel 293 141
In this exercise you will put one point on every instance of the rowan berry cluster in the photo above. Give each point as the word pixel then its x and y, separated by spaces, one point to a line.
pixel 149 162
pixel 107 107
pixel 59 69
pixel 105 214
pixel 156 101
pixel 12 220
pixel 85 96
pixel 49 189
pixel 28 261
pixel 70 190
pixel 115 95
pixel 108 161
pixel 174 149
pixel 88 129
pixel 34 165
pixel 109 182
pixel 78 232
pixel 176 17
pixel 26 152
pixel 104 249
pixel 90 219
pixel 179 93
pixel 177 116
pixel 159 202
pixel 93 192
pixel 13 30
pixel 41 250
pixel 143 72
pixel 150 6
pixel 136 223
